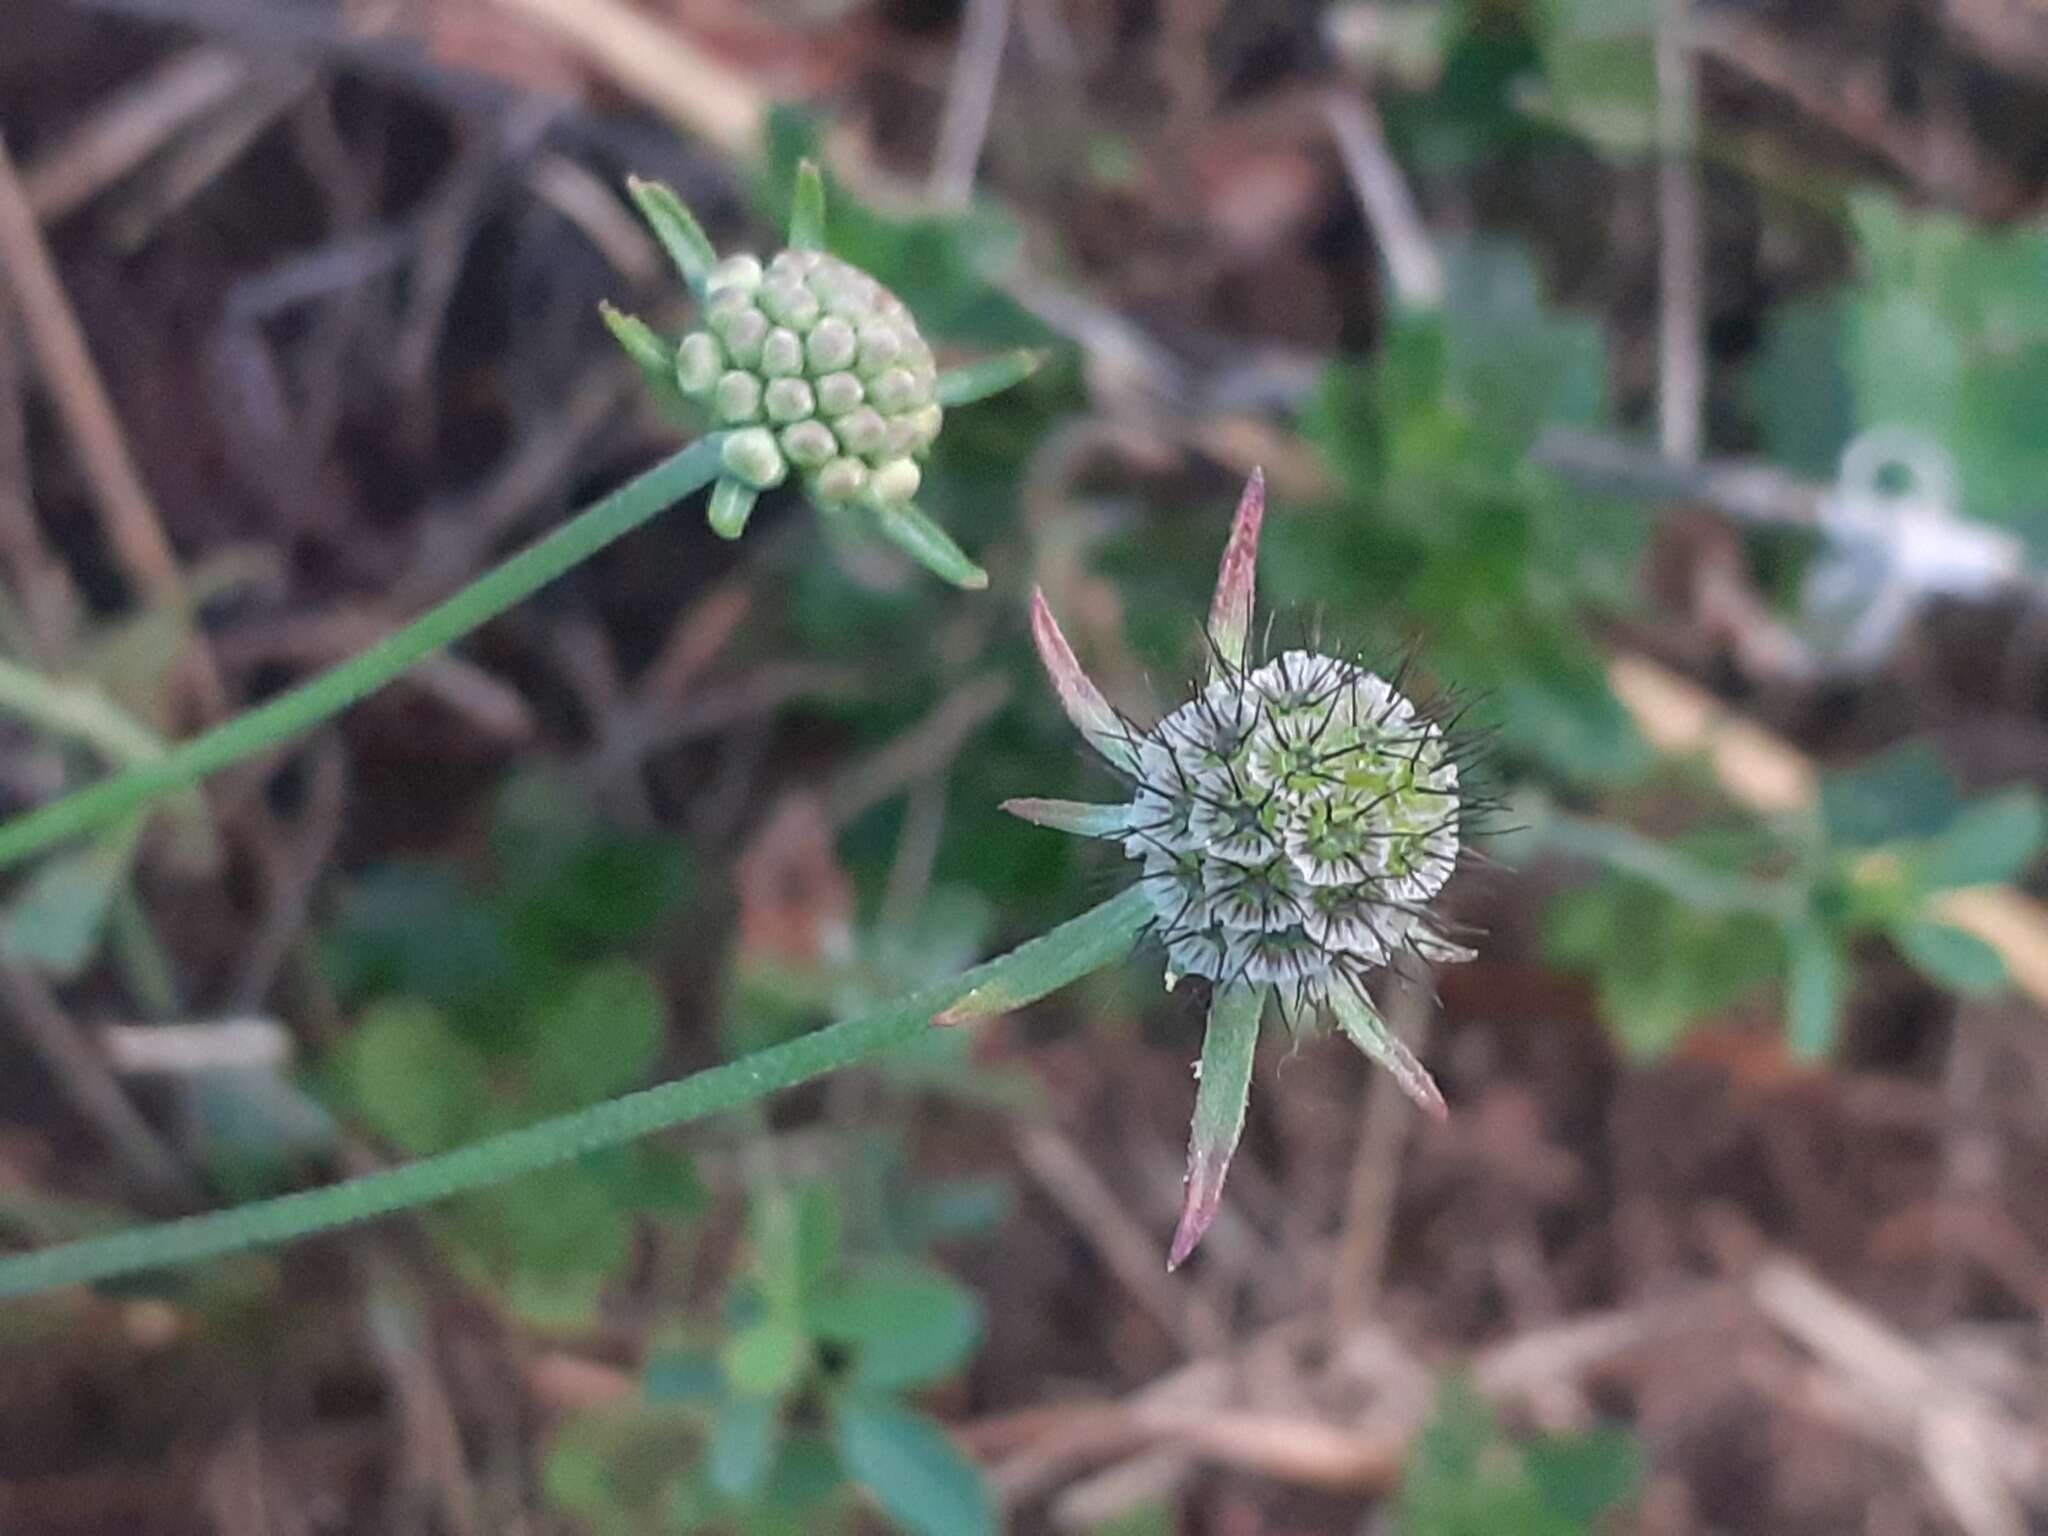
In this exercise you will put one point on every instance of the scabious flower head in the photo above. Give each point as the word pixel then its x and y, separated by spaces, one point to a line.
pixel 1291 822
pixel 807 363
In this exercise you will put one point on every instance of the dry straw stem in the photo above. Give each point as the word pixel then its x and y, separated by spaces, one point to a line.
pixel 655 63
pixel 1774 778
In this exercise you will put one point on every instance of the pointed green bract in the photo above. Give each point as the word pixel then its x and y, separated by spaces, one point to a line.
pixel 1223 1091
pixel 1362 1024
pixel 1075 816
pixel 1103 728
pixel 987 376
pixel 732 503
pixel 655 358
pixel 1069 951
pixel 930 546
pixel 807 212
pixel 1230 614
pixel 678 231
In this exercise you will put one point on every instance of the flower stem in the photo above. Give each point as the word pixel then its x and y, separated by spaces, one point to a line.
pixel 1080 945
pixel 336 689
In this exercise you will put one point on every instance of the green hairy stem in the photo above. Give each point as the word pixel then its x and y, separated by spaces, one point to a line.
pixel 1030 971
pixel 293 713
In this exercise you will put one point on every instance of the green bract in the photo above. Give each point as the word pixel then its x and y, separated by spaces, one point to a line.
pixel 805 362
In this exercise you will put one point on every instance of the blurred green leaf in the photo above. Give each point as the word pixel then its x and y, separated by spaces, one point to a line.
pixel 817 1235
pixel 611 1466
pixel 1584 1476
pixel 920 1478
pixel 1599 69
pixel 1660 964
pixel 600 1036
pixel 1800 387
pixel 745 1433
pixel 1945 332
pixel 907 1327
pixel 766 1358
pixel 1466 1478
pixel 1514 361
pixel 53 922
pixel 413 929
pixel 1904 793
pixel 1949 956
pixel 1993 840
pixel 682 1376
pixel 1816 991
pixel 408 1077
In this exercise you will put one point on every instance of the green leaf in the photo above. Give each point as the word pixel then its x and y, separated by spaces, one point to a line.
pixel 1952 958
pixel 53 923
pixel 577 888
pixel 744 1436
pixel 817 1235
pixel 610 1464
pixel 1816 987
pixel 1804 404
pixel 1515 361
pixel 1903 794
pixel 1583 1476
pixel 908 1327
pixel 915 1472
pixel 599 1036
pixel 681 1376
pixel 414 929
pixel 1660 964
pixel 766 1358
pixel 1994 840
pixel 410 1079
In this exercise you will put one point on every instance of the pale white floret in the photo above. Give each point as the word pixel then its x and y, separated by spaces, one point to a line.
pixel 1291 821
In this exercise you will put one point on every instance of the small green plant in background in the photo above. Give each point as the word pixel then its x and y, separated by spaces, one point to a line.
pixel 1677 930
pixel 1468 1478
pixel 484 1010
pixel 794 1413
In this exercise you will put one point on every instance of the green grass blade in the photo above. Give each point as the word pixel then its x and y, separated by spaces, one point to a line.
pixel 1105 932
pixel 336 689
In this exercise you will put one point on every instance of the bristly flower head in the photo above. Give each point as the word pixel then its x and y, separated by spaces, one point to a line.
pixel 1291 822
pixel 807 363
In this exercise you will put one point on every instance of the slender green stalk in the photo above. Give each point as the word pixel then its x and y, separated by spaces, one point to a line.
pixel 1071 950
pixel 336 689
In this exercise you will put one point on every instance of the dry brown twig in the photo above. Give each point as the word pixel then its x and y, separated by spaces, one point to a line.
pixel 1130 1252
pixel 134 528
pixel 970 98
pixel 129 126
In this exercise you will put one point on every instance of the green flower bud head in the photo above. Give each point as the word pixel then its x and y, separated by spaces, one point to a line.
pixel 1290 824
pixel 819 367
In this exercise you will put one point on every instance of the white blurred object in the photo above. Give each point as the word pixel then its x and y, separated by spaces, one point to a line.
pixel 1893 541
